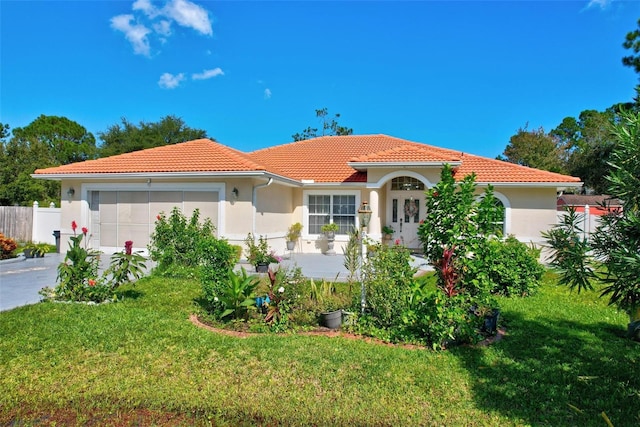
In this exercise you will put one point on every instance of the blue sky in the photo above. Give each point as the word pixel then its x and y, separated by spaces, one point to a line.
pixel 461 75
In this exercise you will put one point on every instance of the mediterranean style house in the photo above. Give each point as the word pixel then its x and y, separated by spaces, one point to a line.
pixel 314 182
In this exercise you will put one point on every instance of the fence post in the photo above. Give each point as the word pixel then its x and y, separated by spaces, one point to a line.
pixel 34 225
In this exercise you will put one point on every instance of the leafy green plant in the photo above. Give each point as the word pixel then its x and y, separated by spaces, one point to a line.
pixel 79 270
pixel 237 294
pixel 512 267
pixel 330 228
pixel 388 278
pixel 36 249
pixel 218 258
pixel 259 252
pixel 78 278
pixel 294 232
pixel 616 240
pixel 353 254
pixel 126 266
pixel 387 229
pixel 176 242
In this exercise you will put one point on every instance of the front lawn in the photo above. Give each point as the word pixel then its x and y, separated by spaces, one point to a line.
pixel 564 361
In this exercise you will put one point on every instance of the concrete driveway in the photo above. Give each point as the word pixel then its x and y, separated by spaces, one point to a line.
pixel 21 279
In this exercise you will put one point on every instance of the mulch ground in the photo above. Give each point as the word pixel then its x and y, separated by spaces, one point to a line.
pixel 325 332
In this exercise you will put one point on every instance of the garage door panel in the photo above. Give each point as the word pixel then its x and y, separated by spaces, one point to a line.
pixel 133 207
pixel 108 235
pixel 163 202
pixel 131 215
pixel 138 233
pixel 108 207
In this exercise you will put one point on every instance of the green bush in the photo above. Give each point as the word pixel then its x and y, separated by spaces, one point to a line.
pixel 513 268
pixel 218 257
pixel 388 278
pixel 177 242
pixel 438 320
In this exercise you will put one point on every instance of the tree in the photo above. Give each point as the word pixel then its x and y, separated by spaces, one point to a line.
pixel 47 141
pixel 588 142
pixel 128 137
pixel 612 257
pixel 330 126
pixel 535 149
pixel 66 140
pixel 632 42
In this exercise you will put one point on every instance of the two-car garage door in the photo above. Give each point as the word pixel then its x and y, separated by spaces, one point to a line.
pixel 118 216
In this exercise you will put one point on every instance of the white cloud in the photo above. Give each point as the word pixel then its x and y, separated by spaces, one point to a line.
pixel 169 81
pixel 148 20
pixel 146 7
pixel 189 15
pixel 267 93
pixel 135 33
pixel 602 4
pixel 207 74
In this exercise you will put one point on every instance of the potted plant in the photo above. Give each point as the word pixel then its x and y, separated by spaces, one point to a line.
pixel 293 234
pixel 259 254
pixel 329 231
pixel 330 315
pixel 387 231
pixel 35 250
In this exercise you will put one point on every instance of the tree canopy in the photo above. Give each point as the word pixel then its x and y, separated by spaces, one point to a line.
pixel 632 42
pixel 47 141
pixel 127 137
pixel 329 126
pixel 535 149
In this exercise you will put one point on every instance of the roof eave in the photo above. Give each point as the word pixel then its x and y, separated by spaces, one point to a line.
pixel 172 175
pixel 366 165
pixel 532 184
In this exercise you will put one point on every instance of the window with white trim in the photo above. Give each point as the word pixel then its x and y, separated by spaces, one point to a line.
pixel 327 208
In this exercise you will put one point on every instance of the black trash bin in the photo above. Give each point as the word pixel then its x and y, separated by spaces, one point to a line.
pixel 56 234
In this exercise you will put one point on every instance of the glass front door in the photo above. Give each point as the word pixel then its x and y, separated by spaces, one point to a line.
pixel 406 213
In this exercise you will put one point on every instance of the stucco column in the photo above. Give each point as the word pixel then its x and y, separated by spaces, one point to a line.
pixel 375 228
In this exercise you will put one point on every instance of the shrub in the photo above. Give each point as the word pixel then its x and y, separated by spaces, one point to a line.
pixel 176 242
pixel 7 247
pixel 439 320
pixel 259 252
pixel 218 259
pixel 388 278
pixel 513 268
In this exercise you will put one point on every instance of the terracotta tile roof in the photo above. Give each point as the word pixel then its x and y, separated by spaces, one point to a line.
pixel 201 155
pixel 496 171
pixel 412 152
pixel 321 160
pixel 326 159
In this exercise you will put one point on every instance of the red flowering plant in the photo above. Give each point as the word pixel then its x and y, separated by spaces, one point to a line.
pixel 78 278
pixel 79 266
pixel 126 266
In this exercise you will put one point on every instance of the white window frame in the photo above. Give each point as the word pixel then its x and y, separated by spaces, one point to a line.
pixel 327 192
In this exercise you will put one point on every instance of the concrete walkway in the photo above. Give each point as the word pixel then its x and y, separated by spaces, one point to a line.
pixel 21 279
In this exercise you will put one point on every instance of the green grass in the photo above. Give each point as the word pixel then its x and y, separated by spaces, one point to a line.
pixel 563 361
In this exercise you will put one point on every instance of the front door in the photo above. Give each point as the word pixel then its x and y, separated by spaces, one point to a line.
pixel 406 211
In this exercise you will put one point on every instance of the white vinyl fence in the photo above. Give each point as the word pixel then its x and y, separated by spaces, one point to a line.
pixel 33 224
